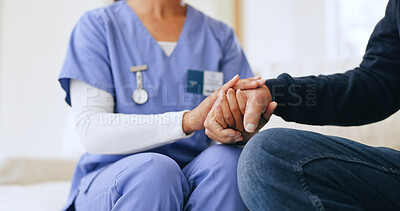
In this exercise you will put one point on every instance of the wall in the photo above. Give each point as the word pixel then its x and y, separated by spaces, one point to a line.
pixel 33 43
pixel 285 30
pixel 1 57
pixel 221 9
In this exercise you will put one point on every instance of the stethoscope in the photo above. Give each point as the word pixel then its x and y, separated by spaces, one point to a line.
pixel 140 95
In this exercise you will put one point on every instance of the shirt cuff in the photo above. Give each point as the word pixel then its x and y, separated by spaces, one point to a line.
pixel 182 133
pixel 278 88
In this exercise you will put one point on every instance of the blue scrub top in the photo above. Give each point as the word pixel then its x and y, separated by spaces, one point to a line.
pixel 106 42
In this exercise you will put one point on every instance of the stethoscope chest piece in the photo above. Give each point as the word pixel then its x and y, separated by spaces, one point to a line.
pixel 140 95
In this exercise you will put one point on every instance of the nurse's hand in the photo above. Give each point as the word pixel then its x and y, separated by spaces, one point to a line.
pixel 249 83
pixel 217 127
pixel 194 120
pixel 255 105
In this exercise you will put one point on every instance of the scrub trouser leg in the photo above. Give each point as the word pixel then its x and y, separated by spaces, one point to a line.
pixel 283 169
pixel 145 181
pixel 151 181
pixel 212 178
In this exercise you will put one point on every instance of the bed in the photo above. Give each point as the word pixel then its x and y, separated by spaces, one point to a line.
pixel 34 183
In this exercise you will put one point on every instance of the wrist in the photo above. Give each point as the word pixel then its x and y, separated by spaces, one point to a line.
pixel 267 92
pixel 278 88
pixel 186 126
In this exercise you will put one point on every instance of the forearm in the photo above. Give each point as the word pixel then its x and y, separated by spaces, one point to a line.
pixel 354 98
pixel 104 132
pixel 109 133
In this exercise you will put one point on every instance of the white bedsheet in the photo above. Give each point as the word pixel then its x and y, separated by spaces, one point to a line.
pixel 49 196
pixel 34 183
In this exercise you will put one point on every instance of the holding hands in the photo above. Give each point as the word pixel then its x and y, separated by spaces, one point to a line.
pixel 239 110
pixel 194 120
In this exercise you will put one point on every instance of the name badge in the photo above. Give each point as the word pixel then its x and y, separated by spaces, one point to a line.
pixel 204 82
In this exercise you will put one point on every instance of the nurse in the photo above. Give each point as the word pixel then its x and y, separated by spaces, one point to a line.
pixel 137 74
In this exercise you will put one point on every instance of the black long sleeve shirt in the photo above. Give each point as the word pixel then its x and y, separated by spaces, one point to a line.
pixel 364 95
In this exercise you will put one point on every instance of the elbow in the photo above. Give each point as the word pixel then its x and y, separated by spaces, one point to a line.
pixel 91 140
pixel 100 145
pixel 90 145
pixel 94 143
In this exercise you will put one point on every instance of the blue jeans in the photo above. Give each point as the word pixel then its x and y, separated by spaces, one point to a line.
pixel 284 169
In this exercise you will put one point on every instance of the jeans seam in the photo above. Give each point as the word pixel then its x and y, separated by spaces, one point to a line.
pixel 298 167
pixel 314 199
pixel 306 160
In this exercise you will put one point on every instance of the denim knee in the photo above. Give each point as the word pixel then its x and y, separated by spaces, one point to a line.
pixel 264 149
pixel 264 165
pixel 276 140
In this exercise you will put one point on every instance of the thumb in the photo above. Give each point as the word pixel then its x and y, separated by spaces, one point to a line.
pixel 270 110
pixel 252 116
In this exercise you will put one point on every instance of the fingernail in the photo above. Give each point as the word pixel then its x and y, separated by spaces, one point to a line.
pixel 221 93
pixel 251 127
pixel 239 139
pixel 261 81
pixel 235 76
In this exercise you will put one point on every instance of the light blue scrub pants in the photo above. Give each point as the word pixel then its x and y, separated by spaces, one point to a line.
pixel 152 181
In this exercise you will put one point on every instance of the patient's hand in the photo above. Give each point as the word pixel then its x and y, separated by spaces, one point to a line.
pixel 224 123
pixel 259 104
pixel 194 120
